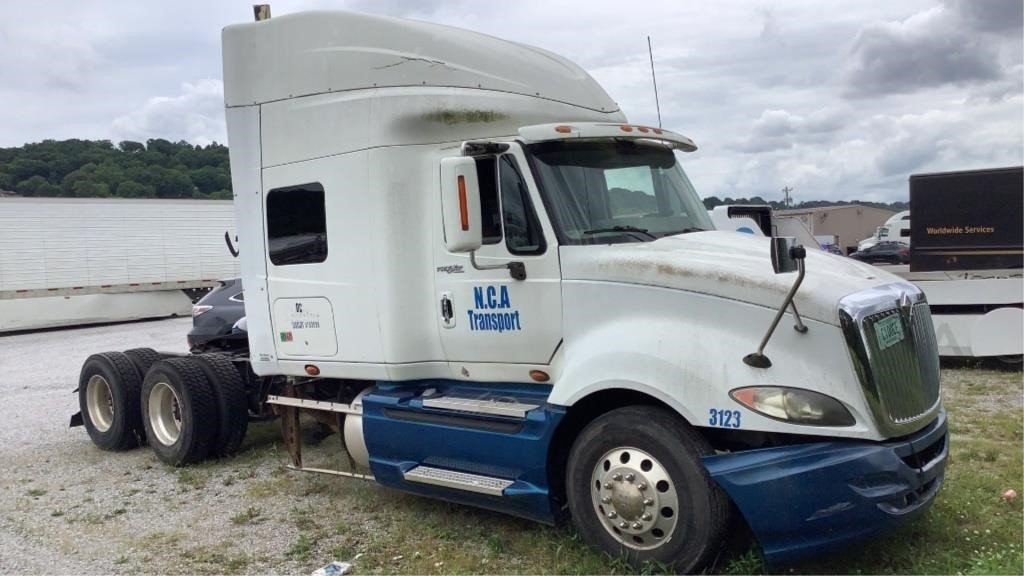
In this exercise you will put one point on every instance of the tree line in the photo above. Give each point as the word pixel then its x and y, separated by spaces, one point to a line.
pixel 159 168
pixel 98 169
pixel 712 201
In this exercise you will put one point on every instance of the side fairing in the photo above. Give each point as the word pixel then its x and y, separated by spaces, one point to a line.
pixel 246 180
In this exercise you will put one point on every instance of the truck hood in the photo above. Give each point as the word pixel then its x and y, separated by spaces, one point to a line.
pixel 728 265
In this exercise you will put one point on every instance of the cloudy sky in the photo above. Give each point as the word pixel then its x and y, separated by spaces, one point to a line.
pixel 838 100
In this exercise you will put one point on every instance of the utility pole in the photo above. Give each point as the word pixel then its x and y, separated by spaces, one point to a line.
pixel 786 200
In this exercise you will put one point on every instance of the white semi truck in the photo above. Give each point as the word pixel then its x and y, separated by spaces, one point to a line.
pixel 460 254
pixel 895 229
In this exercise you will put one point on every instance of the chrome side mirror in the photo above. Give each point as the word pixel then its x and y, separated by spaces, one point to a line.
pixel 783 256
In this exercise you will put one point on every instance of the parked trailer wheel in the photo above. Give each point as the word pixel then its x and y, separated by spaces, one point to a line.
pixel 232 403
pixel 637 489
pixel 179 411
pixel 108 395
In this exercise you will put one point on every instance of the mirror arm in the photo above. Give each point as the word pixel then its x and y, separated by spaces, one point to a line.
pixel 758 359
pixel 515 269
pixel 799 322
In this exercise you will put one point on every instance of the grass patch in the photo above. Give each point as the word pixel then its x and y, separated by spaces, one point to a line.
pixel 192 478
pixel 168 552
pixel 250 515
pixel 302 549
pixel 36 492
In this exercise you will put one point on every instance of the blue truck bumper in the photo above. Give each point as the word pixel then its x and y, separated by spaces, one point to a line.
pixel 802 499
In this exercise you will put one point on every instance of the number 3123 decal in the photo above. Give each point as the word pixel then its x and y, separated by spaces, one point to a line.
pixel 724 418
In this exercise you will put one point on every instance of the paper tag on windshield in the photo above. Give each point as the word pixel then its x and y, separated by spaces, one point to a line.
pixel 888 331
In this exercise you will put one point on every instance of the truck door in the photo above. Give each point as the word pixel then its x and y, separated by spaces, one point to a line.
pixel 486 315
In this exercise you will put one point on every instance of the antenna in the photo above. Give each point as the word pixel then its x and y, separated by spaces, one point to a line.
pixel 657 104
pixel 787 201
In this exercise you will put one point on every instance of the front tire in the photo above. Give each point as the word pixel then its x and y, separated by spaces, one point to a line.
pixel 637 489
pixel 179 411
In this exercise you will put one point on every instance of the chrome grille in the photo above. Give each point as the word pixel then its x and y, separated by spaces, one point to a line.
pixel 905 373
pixel 900 376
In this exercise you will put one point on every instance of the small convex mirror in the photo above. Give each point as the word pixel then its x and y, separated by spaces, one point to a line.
pixel 782 254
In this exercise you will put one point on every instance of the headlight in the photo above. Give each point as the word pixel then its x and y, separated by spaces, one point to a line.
pixel 794 405
pixel 200 310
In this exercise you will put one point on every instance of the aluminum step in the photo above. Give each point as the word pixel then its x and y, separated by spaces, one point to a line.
pixel 472 405
pixel 458 480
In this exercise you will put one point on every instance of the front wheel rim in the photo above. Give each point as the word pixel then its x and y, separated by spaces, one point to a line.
pixel 99 402
pixel 165 413
pixel 635 499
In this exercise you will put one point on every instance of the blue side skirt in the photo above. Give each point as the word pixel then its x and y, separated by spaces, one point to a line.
pixel 803 499
pixel 402 434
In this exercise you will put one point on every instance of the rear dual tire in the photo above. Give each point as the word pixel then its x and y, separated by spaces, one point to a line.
pixel 179 411
pixel 109 389
pixel 231 403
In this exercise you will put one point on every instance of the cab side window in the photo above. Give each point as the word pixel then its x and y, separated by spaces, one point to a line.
pixel 296 225
pixel 522 229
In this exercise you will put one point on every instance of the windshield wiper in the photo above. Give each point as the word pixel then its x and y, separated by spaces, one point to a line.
pixel 632 230
pixel 683 231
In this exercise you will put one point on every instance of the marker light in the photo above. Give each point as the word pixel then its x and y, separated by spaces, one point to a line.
pixel 463 203
pixel 626 128
pixel 563 129
pixel 312 370
pixel 200 310
pixel 794 405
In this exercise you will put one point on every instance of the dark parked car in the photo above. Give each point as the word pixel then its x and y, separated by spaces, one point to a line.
pixel 884 252
pixel 218 319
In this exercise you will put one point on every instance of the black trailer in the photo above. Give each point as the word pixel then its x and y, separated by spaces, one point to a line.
pixel 967 220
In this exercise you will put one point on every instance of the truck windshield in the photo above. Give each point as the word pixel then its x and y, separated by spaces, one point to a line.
pixel 604 191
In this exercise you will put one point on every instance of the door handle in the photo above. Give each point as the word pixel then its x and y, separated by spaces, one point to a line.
pixel 447 310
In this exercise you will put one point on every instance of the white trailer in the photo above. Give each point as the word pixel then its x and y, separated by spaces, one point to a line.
pixel 70 261
pixel 967 256
pixel 460 254
pixel 977 313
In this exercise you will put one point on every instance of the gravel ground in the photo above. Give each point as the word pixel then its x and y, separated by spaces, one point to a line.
pixel 67 507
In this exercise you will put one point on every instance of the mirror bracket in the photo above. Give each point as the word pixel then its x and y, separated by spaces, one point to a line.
pixel 795 254
pixel 517 270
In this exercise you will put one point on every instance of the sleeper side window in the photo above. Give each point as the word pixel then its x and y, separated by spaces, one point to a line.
pixel 490 208
pixel 296 225
pixel 522 230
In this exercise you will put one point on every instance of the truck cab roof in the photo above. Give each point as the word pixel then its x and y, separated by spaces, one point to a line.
pixel 322 52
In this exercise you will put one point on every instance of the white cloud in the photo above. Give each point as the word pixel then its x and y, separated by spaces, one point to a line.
pixel 195 115
pixel 930 48
pixel 759 84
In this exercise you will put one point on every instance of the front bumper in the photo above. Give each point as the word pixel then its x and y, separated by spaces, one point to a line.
pixel 800 500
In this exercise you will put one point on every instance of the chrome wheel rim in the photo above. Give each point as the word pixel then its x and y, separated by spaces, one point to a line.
pixel 165 413
pixel 99 402
pixel 634 498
